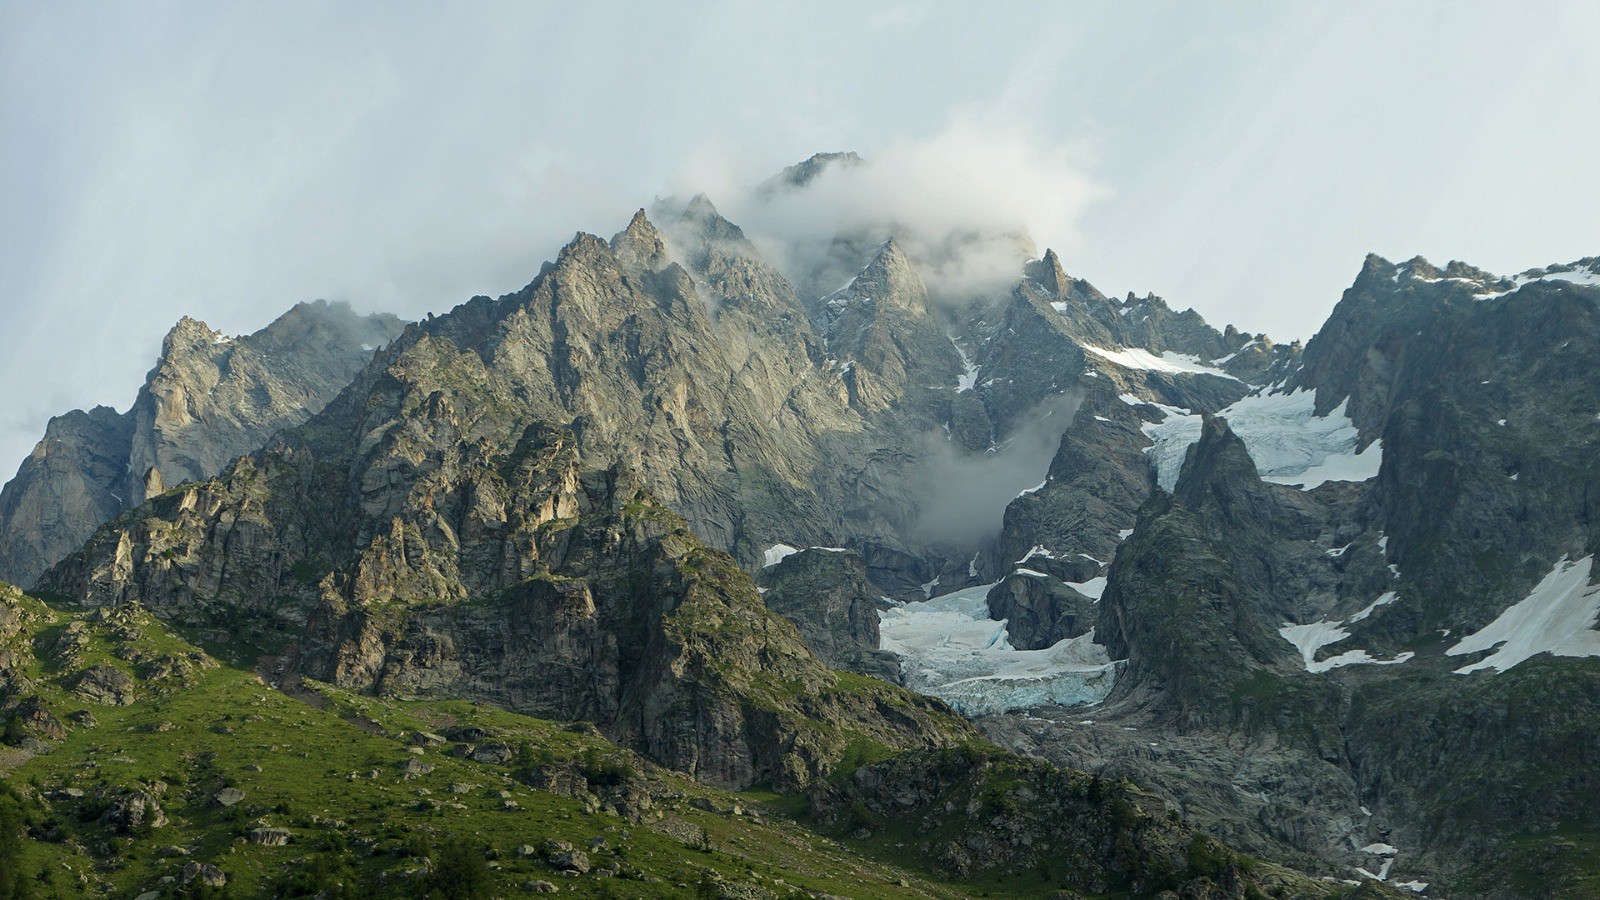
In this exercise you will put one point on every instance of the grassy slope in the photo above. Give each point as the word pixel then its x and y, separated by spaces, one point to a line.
pixel 330 774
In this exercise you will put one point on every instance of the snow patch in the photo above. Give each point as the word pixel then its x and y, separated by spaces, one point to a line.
pixel 949 648
pixel 1309 639
pixel 776 554
pixel 1170 442
pixel 1092 588
pixel 1557 618
pixel 1580 276
pixel 1384 600
pixel 969 370
pixel 1169 362
pixel 1287 441
pixel 1037 550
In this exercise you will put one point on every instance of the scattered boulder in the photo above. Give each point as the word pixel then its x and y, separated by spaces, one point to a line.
pixel 269 837
pixel 35 718
pixel 574 861
pixel 72 642
pixel 426 739
pixel 227 797
pixel 563 857
pixel 203 873
pixel 466 734
pixel 496 753
pixel 414 768
pixel 105 685
pixel 133 812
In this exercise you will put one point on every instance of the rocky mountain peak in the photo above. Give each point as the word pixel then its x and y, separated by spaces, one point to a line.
pixel 208 399
pixel 1419 267
pixel 639 246
pixel 1049 274
pixel 711 225
pixel 803 173
pixel 584 247
pixel 703 238
pixel 189 334
pixel 892 278
pixel 1375 265
pixel 1218 459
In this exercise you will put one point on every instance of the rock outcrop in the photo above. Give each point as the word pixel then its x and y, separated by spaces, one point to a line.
pixel 209 399
pixel 827 595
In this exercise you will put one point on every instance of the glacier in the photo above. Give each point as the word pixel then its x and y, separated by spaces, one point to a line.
pixel 1287 441
pixel 951 649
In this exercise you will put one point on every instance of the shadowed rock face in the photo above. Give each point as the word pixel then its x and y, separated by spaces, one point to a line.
pixel 209 399
pixel 827 595
pixel 1484 398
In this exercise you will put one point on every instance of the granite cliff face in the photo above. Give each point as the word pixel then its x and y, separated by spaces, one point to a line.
pixel 826 592
pixel 209 399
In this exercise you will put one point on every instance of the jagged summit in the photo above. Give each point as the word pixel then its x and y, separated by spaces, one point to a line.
pixel 639 246
pixel 208 399
pixel 1049 274
pixel 891 259
pixel 803 173
pixel 890 279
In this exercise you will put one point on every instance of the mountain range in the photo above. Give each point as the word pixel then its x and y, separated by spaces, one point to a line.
pixel 1011 587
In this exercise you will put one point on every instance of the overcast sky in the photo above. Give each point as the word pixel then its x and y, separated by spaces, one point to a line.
pixel 228 160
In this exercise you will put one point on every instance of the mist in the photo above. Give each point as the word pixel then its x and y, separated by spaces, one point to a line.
pixel 969 204
pixel 964 496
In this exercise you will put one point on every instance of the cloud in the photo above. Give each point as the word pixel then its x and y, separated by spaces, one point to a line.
pixel 969 203
pixel 964 496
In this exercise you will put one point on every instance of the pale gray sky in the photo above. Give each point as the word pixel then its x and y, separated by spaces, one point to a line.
pixel 228 160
